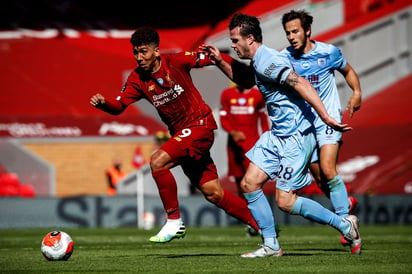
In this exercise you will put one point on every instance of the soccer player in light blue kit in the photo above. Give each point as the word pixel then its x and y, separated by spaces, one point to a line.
pixel 285 151
pixel 317 62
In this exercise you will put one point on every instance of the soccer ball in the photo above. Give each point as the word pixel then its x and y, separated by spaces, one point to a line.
pixel 57 246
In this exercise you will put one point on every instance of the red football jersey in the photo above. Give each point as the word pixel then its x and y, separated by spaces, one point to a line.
pixel 244 112
pixel 171 91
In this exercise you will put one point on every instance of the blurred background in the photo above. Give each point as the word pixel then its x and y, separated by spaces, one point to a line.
pixel 55 149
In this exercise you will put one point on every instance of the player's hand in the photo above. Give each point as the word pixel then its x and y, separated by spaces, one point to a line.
pixel 97 100
pixel 213 53
pixel 335 125
pixel 354 103
pixel 237 136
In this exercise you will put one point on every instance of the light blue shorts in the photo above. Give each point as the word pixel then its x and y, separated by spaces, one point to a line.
pixel 285 158
pixel 325 135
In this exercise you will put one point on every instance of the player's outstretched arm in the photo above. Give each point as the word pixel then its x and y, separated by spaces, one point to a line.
pixel 240 73
pixel 308 93
pixel 112 107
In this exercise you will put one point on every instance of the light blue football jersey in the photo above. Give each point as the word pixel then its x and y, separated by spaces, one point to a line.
pixel 318 67
pixel 288 111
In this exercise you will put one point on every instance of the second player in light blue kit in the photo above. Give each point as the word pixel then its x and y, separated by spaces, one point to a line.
pixel 317 62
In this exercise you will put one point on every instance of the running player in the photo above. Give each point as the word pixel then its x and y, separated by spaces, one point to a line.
pixel 285 151
pixel 164 80
pixel 317 62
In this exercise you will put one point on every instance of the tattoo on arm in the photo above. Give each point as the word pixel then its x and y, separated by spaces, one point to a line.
pixel 292 79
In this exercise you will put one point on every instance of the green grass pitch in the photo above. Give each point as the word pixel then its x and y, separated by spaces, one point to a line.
pixel 307 249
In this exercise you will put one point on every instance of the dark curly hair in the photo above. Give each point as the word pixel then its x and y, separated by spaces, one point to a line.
pixel 145 36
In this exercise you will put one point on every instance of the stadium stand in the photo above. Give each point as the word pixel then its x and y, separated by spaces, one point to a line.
pixel 11 186
pixel 56 53
pixel 381 137
pixel 122 14
pixel 356 8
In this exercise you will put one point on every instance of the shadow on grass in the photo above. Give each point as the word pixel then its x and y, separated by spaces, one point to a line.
pixel 190 255
pixel 320 250
pixel 231 255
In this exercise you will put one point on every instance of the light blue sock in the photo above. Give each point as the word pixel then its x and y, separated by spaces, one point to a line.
pixel 339 196
pixel 314 211
pixel 263 214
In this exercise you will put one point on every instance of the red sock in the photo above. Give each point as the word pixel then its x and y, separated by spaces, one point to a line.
pixel 166 184
pixel 237 207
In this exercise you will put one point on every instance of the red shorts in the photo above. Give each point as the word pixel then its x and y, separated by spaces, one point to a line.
pixel 190 147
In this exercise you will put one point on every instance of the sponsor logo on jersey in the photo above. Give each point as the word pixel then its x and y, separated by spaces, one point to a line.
pixel 167 96
pixel 305 64
pixel 237 110
pixel 242 101
pixel 322 62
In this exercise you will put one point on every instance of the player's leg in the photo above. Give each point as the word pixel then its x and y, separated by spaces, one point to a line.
pixel 293 204
pixel 337 189
pixel 258 204
pixel 332 187
pixel 319 179
pixel 329 180
pixel 332 183
pixel 238 164
pixel 160 163
pixel 264 165
pixel 312 210
pixel 297 154
pixel 203 174
pixel 250 231
pixel 174 227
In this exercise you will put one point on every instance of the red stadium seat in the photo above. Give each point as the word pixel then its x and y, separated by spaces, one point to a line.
pixel 26 191
pixel 9 190
pixel 9 179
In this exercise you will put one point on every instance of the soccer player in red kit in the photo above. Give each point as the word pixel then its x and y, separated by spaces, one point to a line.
pixel 243 116
pixel 164 80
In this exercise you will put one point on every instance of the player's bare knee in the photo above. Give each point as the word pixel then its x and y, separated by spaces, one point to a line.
pixel 283 205
pixel 212 191
pixel 329 172
pixel 248 185
pixel 285 200
pixel 243 186
pixel 213 197
pixel 155 164
pixel 160 160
